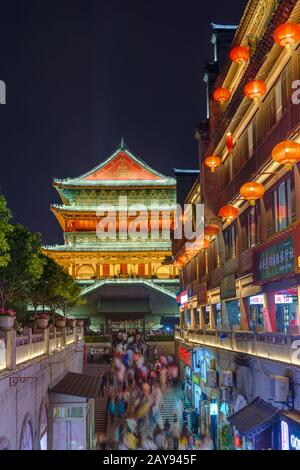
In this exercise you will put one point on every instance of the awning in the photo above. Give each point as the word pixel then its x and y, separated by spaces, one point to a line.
pixel 124 305
pixel 79 385
pixel 254 418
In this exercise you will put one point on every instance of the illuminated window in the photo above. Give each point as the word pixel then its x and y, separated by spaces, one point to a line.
pixel 283 205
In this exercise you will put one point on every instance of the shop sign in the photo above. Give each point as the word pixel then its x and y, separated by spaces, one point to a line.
pixel 183 299
pixel 196 379
pixel 289 439
pixel 227 287
pixel 275 260
pixel 213 408
pixel 283 299
pixel 185 356
pixel 256 300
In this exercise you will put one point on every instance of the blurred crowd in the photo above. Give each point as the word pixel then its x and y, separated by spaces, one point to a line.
pixel 134 387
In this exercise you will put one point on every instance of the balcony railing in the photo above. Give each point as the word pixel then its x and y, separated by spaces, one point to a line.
pixel 273 346
pixel 15 350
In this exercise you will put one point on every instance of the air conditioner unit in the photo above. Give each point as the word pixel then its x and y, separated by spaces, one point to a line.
pixel 211 378
pixel 227 378
pixel 225 394
pixel 279 388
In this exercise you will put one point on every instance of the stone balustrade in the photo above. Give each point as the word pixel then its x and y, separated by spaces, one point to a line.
pixel 17 349
pixel 273 346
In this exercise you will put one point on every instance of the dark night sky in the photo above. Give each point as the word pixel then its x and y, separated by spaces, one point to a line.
pixel 82 73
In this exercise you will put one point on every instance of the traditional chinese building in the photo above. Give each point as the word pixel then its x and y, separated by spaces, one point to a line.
pixel 117 220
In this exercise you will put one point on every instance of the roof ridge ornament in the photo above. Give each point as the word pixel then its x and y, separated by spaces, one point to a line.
pixel 122 145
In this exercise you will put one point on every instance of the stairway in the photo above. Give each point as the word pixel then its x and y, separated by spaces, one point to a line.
pixel 100 411
pixel 170 397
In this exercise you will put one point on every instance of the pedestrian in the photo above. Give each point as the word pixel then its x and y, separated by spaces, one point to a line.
pixel 195 421
pixel 112 408
pixel 174 433
pixel 91 354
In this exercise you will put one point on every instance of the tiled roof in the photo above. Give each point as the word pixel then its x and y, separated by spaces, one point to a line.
pixel 79 385
pixel 254 417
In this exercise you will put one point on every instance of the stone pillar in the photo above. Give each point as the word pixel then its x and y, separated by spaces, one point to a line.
pixel 212 323
pixel 193 321
pixel 46 341
pixel 64 337
pixel 11 352
pixel 244 315
pixel 28 332
pixel 269 312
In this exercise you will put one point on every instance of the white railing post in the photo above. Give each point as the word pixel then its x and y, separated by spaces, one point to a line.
pixel 28 332
pixel 11 352
pixel 46 341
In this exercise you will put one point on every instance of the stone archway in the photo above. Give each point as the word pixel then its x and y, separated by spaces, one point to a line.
pixel 163 272
pixel 4 443
pixel 43 427
pixel 26 440
pixel 85 271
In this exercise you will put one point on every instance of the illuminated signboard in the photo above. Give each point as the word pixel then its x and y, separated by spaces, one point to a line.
pixel 284 436
pixel 256 300
pixel 275 260
pixel 283 299
pixel 185 356
pixel 183 298
pixel 213 408
pixel 289 439
pixel 196 379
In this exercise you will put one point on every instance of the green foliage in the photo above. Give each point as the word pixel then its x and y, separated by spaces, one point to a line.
pixel 5 229
pixel 160 338
pixel 24 268
pixel 96 339
pixel 56 289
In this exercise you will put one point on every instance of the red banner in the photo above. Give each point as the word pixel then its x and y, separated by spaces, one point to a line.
pixel 185 356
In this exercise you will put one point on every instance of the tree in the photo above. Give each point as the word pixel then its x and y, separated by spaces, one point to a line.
pixel 55 289
pixel 24 267
pixel 66 294
pixel 5 229
pixel 43 293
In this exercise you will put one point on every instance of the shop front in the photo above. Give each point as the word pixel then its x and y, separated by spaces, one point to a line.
pixel 277 270
pixel 290 430
pixel 230 304
pixel 256 312
pixel 185 361
pixel 255 426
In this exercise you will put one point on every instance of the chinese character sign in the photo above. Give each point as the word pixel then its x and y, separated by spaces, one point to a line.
pixel 276 260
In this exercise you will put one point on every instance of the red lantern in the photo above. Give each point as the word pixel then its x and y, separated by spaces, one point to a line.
pixel 240 54
pixel 212 162
pixel 221 95
pixel 255 89
pixel 229 141
pixel 211 230
pixel 286 153
pixel 252 191
pixel 228 213
pixel 238 442
pixel 205 244
pixel 287 34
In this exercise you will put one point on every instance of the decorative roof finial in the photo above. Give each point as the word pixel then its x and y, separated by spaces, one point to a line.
pixel 122 143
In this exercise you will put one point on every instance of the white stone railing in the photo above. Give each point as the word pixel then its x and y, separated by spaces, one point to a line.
pixel 16 350
pixel 273 346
